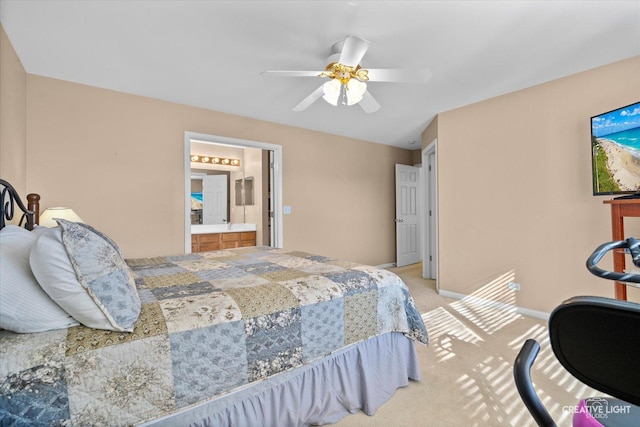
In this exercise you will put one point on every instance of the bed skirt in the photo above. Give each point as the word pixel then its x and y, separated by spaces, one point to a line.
pixel 360 377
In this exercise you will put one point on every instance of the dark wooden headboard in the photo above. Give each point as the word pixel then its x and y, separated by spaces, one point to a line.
pixel 10 201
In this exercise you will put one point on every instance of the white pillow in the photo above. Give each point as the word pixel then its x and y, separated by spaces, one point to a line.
pixel 24 306
pixel 83 271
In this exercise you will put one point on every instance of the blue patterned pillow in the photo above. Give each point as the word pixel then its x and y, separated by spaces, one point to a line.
pixel 84 272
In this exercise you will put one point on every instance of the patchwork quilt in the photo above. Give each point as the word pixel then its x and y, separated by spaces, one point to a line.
pixel 210 322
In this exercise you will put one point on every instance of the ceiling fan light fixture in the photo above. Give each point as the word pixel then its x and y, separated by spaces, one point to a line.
pixel 348 94
pixel 347 78
pixel 332 90
pixel 355 91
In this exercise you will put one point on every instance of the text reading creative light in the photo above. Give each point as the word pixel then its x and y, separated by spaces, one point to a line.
pixel 213 160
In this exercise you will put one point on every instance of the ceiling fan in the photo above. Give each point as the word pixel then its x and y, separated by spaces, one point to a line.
pixel 346 84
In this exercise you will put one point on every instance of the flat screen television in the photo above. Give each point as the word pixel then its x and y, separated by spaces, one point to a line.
pixel 615 152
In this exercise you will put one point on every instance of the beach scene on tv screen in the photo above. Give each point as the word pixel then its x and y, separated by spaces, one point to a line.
pixel 615 140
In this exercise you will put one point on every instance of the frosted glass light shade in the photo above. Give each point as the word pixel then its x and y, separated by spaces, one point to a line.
pixel 355 91
pixel 46 219
pixel 331 91
pixel 349 94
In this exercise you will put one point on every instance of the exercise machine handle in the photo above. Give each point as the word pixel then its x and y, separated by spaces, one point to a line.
pixel 634 249
pixel 631 244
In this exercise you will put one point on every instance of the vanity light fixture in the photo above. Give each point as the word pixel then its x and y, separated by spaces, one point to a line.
pixel 197 158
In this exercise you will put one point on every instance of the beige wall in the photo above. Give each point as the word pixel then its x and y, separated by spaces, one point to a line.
pixel 416 157
pixel 430 133
pixel 13 124
pixel 514 177
pixel 117 160
pixel 514 189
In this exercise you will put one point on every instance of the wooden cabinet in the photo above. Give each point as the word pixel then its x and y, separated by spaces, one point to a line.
pixel 214 241
pixel 207 242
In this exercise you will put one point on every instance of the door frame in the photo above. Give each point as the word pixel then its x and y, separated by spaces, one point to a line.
pixel 430 203
pixel 276 185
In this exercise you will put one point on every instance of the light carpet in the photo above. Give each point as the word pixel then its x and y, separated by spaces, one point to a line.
pixel 467 369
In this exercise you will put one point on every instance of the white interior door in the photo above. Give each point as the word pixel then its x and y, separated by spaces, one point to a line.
pixel 408 240
pixel 214 199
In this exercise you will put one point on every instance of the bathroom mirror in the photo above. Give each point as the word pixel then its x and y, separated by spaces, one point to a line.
pixel 247 191
pixel 244 191
pixel 219 189
pixel 213 189
pixel 224 201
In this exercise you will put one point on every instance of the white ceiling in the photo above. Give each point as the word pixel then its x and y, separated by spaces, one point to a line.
pixel 210 54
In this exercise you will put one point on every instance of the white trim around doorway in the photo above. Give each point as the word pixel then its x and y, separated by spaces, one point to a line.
pixel 276 185
pixel 430 199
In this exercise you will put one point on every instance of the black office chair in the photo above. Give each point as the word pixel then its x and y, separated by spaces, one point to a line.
pixel 598 341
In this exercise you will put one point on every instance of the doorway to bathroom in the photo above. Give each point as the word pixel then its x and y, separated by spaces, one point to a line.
pixel 232 185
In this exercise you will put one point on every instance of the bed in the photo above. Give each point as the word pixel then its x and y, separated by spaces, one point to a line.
pixel 242 337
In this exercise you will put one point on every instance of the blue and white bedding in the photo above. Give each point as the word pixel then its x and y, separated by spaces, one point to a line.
pixel 210 323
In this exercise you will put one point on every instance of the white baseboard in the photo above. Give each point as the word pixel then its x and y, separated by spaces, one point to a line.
pixel 495 304
pixel 387 265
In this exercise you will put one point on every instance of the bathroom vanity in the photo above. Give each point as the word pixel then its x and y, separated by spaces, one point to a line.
pixel 212 237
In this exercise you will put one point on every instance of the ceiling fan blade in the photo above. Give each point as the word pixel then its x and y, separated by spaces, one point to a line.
pixel 291 73
pixel 369 103
pixel 313 97
pixel 399 75
pixel 353 50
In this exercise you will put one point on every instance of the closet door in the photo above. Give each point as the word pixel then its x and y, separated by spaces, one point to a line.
pixel 407 215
